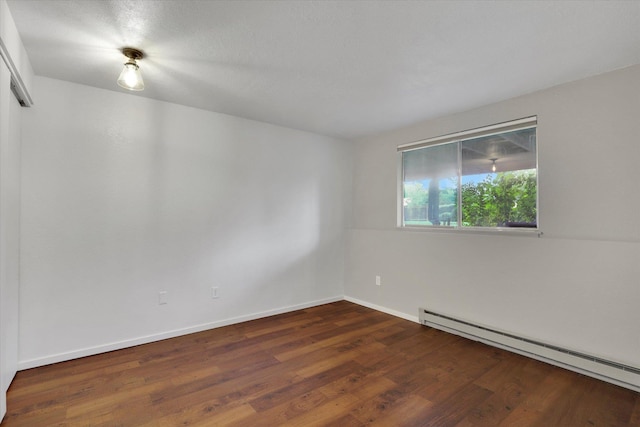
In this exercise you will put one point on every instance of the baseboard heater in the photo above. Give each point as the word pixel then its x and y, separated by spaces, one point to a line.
pixel 606 370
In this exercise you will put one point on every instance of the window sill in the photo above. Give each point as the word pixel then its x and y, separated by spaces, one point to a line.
pixel 504 231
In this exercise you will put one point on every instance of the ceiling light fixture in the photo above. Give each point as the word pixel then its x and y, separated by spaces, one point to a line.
pixel 493 167
pixel 130 77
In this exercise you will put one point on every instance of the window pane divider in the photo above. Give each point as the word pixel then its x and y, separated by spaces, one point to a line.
pixel 459 197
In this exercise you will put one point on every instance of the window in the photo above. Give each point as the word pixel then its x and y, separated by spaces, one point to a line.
pixel 483 178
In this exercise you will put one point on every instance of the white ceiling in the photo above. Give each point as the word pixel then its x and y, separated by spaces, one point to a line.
pixel 340 68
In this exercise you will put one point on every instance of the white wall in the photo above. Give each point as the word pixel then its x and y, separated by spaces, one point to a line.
pixel 14 65
pixel 124 197
pixel 9 232
pixel 577 286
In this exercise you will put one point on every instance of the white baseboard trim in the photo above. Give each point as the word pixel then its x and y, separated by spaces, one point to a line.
pixel 382 309
pixel 90 351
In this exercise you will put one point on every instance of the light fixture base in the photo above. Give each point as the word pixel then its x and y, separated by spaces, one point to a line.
pixel 132 53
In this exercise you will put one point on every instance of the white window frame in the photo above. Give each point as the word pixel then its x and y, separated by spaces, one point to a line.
pixel 458 137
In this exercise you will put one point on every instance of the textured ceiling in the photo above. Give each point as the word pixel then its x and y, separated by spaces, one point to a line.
pixel 343 68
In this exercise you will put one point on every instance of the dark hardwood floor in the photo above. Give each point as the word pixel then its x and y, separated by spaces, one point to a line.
pixel 338 364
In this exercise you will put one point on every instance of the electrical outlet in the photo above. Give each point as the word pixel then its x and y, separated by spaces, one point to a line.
pixel 378 281
pixel 162 297
pixel 214 292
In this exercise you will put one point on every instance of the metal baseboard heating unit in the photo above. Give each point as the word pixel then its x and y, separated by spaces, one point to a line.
pixel 606 370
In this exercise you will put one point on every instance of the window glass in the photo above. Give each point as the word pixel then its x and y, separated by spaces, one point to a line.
pixel 431 186
pixel 499 180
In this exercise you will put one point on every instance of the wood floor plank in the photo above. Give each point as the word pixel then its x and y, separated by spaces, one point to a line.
pixel 336 336
pixel 510 381
pixel 611 408
pixel 286 411
pixel 410 411
pixel 292 391
pixel 337 364
pixel 324 414
pixel 539 406
pixel 604 405
pixel 523 416
pixel 634 419
pixel 344 421
pixel 360 384
pixel 454 409
pixel 371 411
